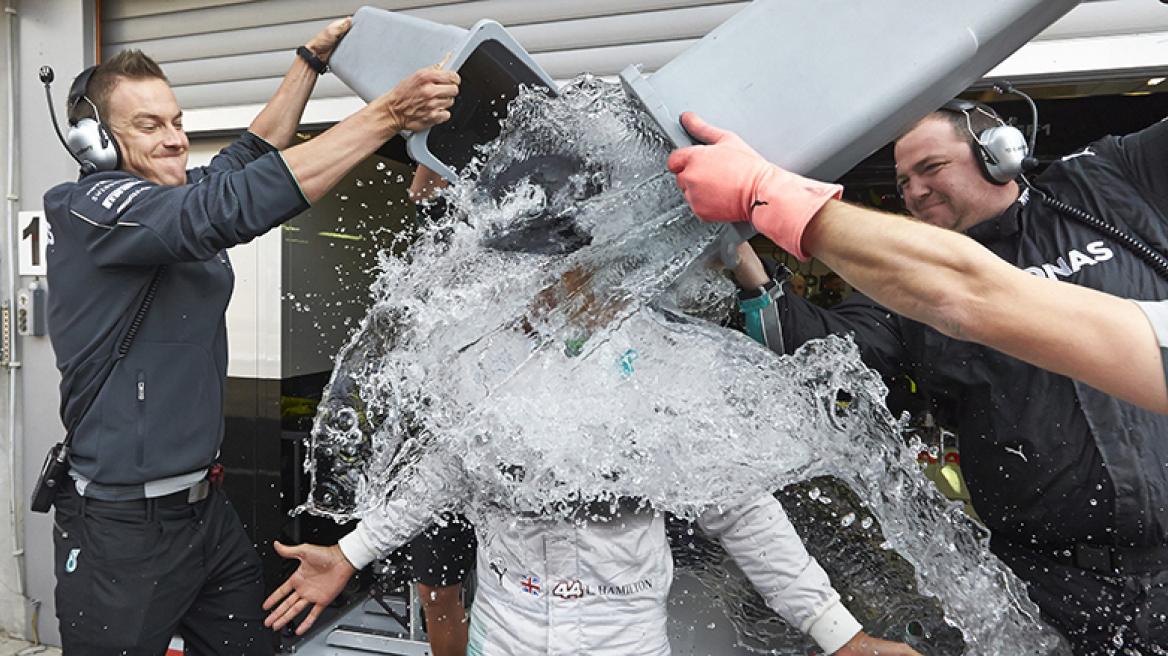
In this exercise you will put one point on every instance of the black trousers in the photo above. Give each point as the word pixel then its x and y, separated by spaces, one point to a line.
pixel 130 575
pixel 1098 614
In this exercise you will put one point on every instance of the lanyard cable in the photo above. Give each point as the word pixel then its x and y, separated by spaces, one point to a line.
pixel 1155 260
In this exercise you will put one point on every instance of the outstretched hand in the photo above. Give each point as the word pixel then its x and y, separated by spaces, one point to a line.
pixel 719 178
pixel 863 644
pixel 421 100
pixel 322 574
pixel 727 181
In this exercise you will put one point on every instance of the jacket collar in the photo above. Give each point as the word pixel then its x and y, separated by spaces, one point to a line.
pixel 1005 226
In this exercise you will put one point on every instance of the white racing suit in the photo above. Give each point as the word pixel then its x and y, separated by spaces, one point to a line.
pixel 558 587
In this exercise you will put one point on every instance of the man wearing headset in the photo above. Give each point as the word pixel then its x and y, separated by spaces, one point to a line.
pixel 1071 481
pixel 145 546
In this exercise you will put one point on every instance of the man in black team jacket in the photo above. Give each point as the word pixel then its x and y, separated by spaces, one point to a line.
pixel 1072 482
pixel 145 546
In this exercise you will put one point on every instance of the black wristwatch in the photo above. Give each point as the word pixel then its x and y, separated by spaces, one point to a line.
pixel 315 62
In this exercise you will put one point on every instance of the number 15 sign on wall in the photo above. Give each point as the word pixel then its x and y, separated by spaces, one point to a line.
pixel 35 237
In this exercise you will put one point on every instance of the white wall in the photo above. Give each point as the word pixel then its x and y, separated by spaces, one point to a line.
pixel 12 607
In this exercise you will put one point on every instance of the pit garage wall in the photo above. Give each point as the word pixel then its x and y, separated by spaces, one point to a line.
pixel 231 53
pixel 12 607
pixel 61 34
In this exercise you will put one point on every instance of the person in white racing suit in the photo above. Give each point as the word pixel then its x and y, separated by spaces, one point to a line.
pixel 547 586
pixel 558 587
pixel 586 573
pixel 595 582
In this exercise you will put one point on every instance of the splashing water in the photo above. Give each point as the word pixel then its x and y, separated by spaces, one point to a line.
pixel 540 352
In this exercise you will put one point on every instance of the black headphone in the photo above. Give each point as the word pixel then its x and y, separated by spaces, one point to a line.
pixel 89 141
pixel 1001 151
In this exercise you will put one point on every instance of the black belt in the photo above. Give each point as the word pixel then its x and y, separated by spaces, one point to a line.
pixel 1113 561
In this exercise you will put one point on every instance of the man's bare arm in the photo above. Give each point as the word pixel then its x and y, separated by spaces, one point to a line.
pixel 426 185
pixel 418 102
pixel 955 285
pixel 278 120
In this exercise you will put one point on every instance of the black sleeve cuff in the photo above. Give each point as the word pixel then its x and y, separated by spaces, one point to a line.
pixel 757 292
pixel 778 275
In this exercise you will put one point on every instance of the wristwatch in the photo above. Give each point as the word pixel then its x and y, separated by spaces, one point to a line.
pixel 315 62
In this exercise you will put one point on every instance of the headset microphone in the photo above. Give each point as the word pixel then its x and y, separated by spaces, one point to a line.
pixel 47 76
pixel 1029 161
pixel 89 141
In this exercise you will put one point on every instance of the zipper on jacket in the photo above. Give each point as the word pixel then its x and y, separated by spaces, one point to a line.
pixel 141 395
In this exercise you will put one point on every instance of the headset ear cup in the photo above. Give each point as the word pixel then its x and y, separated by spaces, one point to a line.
pixel 94 145
pixel 1001 151
pixel 1004 153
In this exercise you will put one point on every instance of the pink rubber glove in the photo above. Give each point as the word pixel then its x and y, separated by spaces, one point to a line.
pixel 727 181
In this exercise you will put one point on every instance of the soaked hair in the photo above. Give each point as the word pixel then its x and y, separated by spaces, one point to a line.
pixel 127 64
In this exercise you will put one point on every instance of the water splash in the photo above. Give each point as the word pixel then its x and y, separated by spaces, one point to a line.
pixel 541 352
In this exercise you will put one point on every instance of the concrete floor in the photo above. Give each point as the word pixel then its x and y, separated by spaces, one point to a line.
pixel 13 647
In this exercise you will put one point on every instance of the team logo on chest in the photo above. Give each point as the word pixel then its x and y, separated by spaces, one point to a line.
pixel 1073 261
pixel 499 569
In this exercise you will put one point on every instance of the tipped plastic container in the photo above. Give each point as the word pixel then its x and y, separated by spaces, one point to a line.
pixel 383 48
